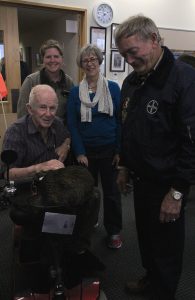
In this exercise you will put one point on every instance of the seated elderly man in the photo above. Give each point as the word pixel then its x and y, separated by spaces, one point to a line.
pixel 40 138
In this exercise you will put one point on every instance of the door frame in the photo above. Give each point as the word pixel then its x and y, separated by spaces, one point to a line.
pixel 81 11
pixel 15 82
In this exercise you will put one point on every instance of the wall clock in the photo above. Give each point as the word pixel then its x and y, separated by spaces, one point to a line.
pixel 103 14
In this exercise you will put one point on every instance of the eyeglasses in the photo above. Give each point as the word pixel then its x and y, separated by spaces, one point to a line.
pixel 45 108
pixel 91 60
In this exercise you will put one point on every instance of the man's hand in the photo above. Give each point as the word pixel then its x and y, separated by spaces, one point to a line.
pixel 122 179
pixel 52 164
pixel 82 159
pixel 170 209
pixel 62 150
pixel 26 172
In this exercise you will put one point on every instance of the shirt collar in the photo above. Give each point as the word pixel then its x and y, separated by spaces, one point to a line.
pixel 158 77
pixel 142 78
pixel 159 60
pixel 32 129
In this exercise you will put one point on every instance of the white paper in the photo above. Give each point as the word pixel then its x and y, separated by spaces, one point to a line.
pixel 58 223
pixel 71 26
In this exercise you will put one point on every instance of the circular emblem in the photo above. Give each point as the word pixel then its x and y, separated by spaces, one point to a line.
pixel 152 107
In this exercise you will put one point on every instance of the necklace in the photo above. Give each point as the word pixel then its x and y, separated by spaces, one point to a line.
pixel 91 89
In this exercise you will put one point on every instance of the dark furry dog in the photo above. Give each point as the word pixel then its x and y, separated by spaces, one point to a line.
pixel 69 187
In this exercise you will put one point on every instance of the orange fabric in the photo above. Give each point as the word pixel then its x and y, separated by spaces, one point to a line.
pixel 3 88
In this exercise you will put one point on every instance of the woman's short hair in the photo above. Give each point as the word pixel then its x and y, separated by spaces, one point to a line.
pixel 50 44
pixel 140 25
pixel 86 51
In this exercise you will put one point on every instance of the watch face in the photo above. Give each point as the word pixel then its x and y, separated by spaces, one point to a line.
pixel 177 195
pixel 103 14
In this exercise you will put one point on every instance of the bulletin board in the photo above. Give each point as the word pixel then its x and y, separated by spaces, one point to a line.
pixel 179 41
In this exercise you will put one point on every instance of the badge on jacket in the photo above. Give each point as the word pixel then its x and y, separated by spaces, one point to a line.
pixel 124 108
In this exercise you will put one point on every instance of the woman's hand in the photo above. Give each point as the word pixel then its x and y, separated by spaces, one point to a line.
pixel 82 160
pixel 122 180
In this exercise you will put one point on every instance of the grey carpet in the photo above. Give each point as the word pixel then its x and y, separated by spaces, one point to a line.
pixel 124 263
pixel 121 264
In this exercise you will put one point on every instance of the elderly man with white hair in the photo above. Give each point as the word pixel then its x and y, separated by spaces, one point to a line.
pixel 40 139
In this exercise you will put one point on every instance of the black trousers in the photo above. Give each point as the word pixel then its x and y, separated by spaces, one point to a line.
pixel 161 244
pixel 100 163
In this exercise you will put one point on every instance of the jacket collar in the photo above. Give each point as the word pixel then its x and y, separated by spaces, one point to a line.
pixel 32 129
pixel 158 76
pixel 44 79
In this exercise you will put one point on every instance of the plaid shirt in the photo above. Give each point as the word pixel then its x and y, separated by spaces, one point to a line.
pixel 24 138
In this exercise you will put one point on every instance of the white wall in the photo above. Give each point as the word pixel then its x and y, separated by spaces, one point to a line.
pixel 174 14
pixel 177 14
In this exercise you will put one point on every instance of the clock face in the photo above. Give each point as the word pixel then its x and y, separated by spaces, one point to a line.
pixel 103 14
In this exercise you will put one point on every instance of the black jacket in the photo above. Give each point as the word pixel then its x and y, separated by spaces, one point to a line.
pixel 158 136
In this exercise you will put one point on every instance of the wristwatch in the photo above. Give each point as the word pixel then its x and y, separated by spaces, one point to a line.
pixel 176 195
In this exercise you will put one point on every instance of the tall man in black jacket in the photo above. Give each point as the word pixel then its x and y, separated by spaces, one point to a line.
pixel 158 151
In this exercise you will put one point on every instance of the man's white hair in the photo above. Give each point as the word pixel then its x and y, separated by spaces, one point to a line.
pixel 36 90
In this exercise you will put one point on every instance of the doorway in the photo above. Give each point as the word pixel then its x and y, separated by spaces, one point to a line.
pixel 31 25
